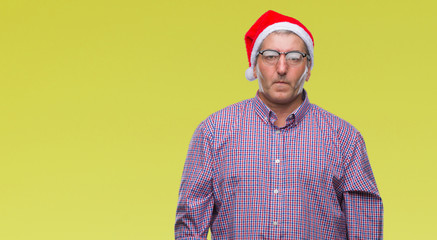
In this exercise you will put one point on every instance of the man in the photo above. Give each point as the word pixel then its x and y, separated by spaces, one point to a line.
pixel 277 166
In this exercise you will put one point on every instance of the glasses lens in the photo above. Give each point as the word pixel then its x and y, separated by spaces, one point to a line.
pixel 270 57
pixel 294 58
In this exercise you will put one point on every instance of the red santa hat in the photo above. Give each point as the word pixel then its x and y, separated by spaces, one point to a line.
pixel 269 22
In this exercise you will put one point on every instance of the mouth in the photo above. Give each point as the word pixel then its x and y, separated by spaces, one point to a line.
pixel 280 82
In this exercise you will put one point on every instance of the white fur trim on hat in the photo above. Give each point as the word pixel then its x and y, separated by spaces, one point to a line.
pixel 274 27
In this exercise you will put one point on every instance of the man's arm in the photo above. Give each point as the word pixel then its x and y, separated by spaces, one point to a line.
pixel 195 204
pixel 362 203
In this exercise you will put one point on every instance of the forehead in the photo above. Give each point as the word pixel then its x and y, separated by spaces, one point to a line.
pixel 283 42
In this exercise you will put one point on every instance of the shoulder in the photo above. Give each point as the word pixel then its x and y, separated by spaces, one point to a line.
pixel 217 126
pixel 335 126
pixel 228 115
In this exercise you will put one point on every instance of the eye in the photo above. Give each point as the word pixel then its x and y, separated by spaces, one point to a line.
pixel 269 55
pixel 294 57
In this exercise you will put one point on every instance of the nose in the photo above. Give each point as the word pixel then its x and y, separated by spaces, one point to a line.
pixel 281 66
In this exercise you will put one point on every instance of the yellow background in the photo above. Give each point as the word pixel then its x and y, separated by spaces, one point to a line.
pixel 99 99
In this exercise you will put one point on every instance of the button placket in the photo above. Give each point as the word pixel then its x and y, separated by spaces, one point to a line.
pixel 276 183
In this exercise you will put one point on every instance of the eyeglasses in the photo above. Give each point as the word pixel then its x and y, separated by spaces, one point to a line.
pixel 271 57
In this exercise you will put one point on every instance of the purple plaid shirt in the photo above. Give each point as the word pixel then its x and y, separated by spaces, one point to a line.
pixel 245 178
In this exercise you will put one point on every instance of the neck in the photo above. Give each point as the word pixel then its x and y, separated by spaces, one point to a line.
pixel 282 110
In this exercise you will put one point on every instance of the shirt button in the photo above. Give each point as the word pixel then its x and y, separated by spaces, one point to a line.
pixel 277 161
pixel 275 223
pixel 278 131
pixel 276 191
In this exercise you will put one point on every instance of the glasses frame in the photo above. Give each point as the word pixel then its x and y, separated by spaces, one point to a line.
pixel 285 54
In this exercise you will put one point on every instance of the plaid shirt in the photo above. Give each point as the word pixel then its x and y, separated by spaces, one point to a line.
pixel 245 178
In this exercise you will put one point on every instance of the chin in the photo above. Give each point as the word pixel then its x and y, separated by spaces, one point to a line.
pixel 283 96
pixel 281 100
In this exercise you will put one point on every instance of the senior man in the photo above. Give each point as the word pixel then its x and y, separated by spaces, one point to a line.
pixel 276 166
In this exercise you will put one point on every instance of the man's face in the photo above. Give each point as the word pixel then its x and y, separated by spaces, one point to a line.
pixel 279 84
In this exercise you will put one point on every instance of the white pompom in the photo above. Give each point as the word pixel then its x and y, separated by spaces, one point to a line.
pixel 249 74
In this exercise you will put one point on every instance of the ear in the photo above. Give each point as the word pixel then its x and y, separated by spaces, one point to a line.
pixel 254 72
pixel 308 76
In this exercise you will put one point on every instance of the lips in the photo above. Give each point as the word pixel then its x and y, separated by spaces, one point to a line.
pixel 280 82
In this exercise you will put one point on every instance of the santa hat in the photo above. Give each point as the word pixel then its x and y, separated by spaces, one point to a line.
pixel 269 22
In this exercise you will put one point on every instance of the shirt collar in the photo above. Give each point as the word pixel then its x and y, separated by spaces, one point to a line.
pixel 268 116
pixel 302 110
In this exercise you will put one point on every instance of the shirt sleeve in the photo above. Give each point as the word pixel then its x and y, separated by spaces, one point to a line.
pixel 195 203
pixel 362 203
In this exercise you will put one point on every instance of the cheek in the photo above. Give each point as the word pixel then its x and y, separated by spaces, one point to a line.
pixel 266 75
pixel 262 70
